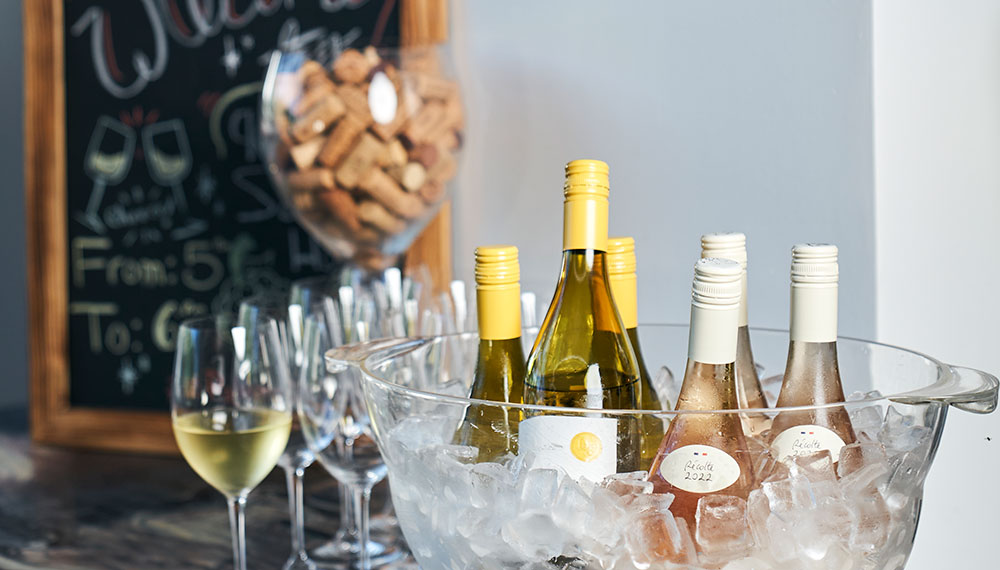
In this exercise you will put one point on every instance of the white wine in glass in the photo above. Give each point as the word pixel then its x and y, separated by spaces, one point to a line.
pixel 231 405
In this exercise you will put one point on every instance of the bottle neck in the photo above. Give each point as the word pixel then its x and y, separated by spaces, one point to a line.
pixel 624 289
pixel 814 312
pixel 498 308
pixel 712 333
pixel 585 223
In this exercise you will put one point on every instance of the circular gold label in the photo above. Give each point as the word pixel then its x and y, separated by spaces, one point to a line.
pixel 586 446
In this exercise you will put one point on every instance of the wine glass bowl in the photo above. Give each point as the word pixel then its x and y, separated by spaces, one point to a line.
pixel 361 144
pixel 811 512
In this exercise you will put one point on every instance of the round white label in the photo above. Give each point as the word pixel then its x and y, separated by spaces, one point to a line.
pixel 806 439
pixel 699 469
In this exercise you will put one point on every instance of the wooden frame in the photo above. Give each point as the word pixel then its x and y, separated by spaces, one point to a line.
pixel 53 419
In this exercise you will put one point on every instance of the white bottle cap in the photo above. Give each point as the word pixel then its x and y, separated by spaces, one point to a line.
pixel 814 293
pixel 814 263
pixel 731 245
pixel 716 282
pixel 715 303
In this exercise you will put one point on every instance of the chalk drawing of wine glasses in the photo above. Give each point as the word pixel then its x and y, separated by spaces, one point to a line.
pixel 107 162
pixel 168 158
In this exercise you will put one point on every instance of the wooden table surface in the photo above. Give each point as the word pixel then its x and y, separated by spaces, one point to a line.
pixel 63 509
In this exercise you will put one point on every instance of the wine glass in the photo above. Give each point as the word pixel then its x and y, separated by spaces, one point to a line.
pixel 297 456
pixel 335 423
pixel 231 407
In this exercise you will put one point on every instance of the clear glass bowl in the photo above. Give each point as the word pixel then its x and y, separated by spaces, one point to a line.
pixel 362 145
pixel 457 513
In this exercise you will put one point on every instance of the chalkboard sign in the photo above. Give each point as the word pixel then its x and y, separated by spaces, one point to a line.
pixel 147 199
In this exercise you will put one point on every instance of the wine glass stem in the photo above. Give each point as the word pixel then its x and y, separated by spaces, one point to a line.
pixel 347 512
pixel 293 476
pixel 362 495
pixel 237 522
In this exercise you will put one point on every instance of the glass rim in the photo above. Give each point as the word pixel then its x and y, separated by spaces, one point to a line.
pixel 381 352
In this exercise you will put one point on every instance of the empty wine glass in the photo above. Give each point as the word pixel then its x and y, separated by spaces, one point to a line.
pixel 335 423
pixel 231 407
pixel 296 457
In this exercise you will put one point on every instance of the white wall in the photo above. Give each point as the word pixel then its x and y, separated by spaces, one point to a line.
pixel 937 164
pixel 714 116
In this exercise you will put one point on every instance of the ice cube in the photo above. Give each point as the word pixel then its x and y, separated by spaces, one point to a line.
pixel 721 530
pixel 418 432
pixel 867 420
pixel 751 563
pixel 900 433
pixel 628 487
pixel 538 490
pixel 534 536
pixel 656 537
pixel 770 469
pixel 905 483
pixel 758 510
pixel 657 502
pixel 871 522
pixel 491 482
pixel 815 467
pixel 572 508
pixel 862 466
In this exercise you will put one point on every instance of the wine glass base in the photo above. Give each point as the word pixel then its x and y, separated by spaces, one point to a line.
pixel 342 552
pixel 297 562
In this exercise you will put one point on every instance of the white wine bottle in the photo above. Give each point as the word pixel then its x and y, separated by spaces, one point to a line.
pixel 704 454
pixel 499 375
pixel 624 289
pixel 812 374
pixel 582 357
pixel 749 393
pixel 232 450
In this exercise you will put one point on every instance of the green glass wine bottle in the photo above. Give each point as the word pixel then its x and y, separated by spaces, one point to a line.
pixel 499 375
pixel 624 289
pixel 582 357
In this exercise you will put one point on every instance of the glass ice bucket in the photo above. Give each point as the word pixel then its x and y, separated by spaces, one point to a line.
pixel 810 513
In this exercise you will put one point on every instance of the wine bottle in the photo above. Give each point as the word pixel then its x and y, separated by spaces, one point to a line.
pixel 749 393
pixel 582 357
pixel 499 375
pixel 703 454
pixel 232 449
pixel 624 289
pixel 812 375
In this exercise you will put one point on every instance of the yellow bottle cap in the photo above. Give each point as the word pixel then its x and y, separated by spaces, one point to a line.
pixel 621 256
pixel 497 265
pixel 587 177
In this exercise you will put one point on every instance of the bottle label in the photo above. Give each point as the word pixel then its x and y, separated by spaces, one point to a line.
pixel 581 446
pixel 806 439
pixel 699 469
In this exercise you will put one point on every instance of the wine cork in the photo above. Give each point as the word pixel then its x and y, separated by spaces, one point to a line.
pixel 342 207
pixel 375 215
pixel 444 169
pixel 430 87
pixel 372 57
pixel 318 118
pixel 322 88
pixel 304 154
pixel 356 102
pixel 432 192
pixel 312 180
pixel 412 176
pixel 387 131
pixel 359 160
pixel 393 154
pixel 340 141
pixel 426 122
pixel 351 67
pixel 310 72
pixel 384 189
pixel 425 154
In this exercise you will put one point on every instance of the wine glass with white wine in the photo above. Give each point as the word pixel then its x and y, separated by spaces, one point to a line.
pixel 231 406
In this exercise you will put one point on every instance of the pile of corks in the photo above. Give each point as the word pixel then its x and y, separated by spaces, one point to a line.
pixel 357 172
